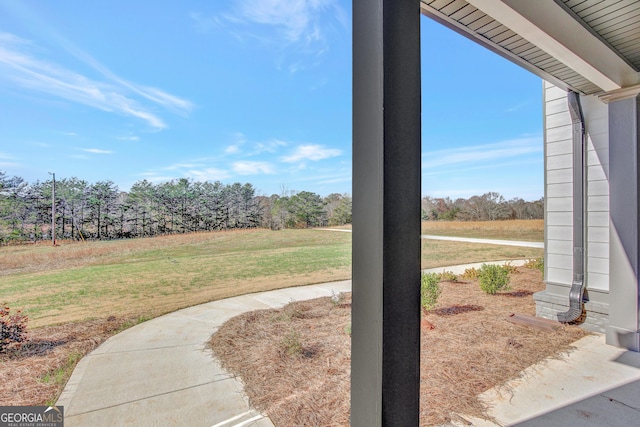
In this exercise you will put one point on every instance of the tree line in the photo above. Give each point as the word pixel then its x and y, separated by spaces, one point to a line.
pixel 488 207
pixel 101 211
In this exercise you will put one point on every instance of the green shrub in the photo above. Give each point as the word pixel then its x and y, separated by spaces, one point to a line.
pixel 493 278
pixel 448 276
pixel 429 290
pixel 13 328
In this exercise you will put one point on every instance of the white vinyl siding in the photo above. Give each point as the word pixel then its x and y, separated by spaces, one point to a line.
pixel 558 189
pixel 596 116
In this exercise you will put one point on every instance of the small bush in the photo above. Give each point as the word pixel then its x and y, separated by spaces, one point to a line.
pixel 337 298
pixel 537 264
pixel 292 344
pixel 470 273
pixel 448 276
pixel 511 269
pixel 429 290
pixel 493 278
pixel 13 328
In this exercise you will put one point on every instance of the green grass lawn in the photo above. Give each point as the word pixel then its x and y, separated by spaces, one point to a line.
pixel 150 277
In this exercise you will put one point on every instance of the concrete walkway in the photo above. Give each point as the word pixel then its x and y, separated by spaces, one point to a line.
pixel 520 243
pixel 161 373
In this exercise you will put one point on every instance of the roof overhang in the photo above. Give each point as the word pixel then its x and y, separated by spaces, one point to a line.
pixel 589 49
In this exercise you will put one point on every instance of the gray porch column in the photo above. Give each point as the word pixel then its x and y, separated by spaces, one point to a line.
pixel 624 186
pixel 385 367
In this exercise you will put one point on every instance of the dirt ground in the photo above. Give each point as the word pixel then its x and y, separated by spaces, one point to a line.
pixel 295 361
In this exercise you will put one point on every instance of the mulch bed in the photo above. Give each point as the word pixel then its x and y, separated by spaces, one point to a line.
pixel 295 361
pixel 28 373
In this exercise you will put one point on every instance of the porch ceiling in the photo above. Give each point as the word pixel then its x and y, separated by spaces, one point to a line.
pixel 589 46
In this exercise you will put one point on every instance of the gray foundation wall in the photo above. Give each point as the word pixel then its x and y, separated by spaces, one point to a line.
pixel 596 311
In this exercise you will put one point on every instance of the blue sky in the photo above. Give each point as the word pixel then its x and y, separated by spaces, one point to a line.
pixel 252 91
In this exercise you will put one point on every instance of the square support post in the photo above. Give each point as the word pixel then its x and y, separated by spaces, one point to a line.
pixel 624 207
pixel 385 367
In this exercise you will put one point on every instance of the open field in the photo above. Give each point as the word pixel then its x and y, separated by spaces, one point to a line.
pixel 149 277
pixel 517 229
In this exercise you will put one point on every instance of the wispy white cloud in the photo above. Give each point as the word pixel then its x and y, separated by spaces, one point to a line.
pixel 336 180
pixel 151 177
pixel 253 168
pixel 208 174
pixel 239 141
pixel 19 66
pixel 517 107
pixel 232 149
pixel 305 26
pixel 270 146
pixel 204 24
pixel 313 152
pixel 9 164
pixel 177 166
pixel 296 19
pixel 128 138
pixel 96 151
pixel 482 154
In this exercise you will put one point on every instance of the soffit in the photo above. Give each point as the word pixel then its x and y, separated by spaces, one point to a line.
pixel 614 26
pixel 617 22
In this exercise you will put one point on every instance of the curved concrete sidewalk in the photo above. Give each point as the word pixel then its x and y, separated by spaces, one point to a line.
pixel 160 372
pixel 521 243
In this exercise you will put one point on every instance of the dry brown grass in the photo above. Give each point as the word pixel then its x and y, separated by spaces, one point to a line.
pixel 467 348
pixel 518 229
pixel 42 256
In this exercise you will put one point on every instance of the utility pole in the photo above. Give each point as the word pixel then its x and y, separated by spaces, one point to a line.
pixel 53 210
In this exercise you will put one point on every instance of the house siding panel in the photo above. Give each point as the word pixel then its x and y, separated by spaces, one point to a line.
pixel 560 233
pixel 559 206
pixel 558 188
pixel 600 250
pixel 598 218
pixel 559 218
pixel 559 176
pixel 558 134
pixel 598 188
pixel 556 275
pixel 558 148
pixel 598 234
pixel 597 246
pixel 599 203
pixel 559 247
pixel 559 162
